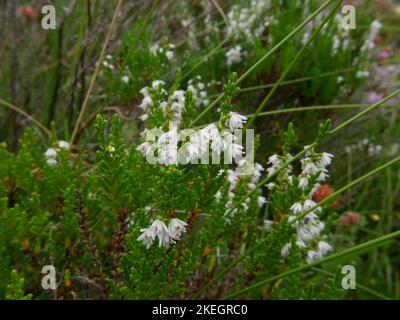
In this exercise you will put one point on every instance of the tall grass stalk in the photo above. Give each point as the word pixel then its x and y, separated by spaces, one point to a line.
pixel 296 157
pixel 266 56
pixel 96 71
pixel 351 251
pixel 27 116
pixel 291 64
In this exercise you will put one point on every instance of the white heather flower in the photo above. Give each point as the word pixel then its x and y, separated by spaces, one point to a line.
pixel 144 148
pixel 51 162
pixel 220 172
pixel 256 175
pixel 218 196
pixel 274 160
pixel 163 106
pixel 268 225
pixel 314 189
pixel 376 25
pixel 261 201
pixel 169 138
pixel 303 182
pixel 144 117
pixel 176 228
pixel 192 152
pixel 308 204
pixel 147 237
pixel 156 84
pixel 161 231
pixel 232 178
pixel 285 250
pixel 236 121
pixel 326 159
pixel 110 149
pixel 169 54
pixel 258 167
pixel 312 256
pixel 108 65
pixel 301 244
pixel 362 74
pixel 146 102
pixel 310 168
pixel 336 44
pixel 306 234
pixel 192 89
pixel 198 91
pixel 234 151
pixel 210 132
pixel 297 208
pixel 154 49
pixel 144 92
pixel 251 186
pixel 310 228
pixel 292 220
pixel 270 186
pixel 125 79
pixel 324 248
pixel 218 145
pixel 169 156
pixel 233 55
pixel 51 153
pixel 232 214
pixel 179 96
pixel 63 145
pixel 228 137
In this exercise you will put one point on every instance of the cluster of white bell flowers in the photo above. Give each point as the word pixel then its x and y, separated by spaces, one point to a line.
pixel 276 163
pixel 252 174
pixel 373 150
pixel 341 39
pixel 248 21
pixel 309 228
pixel 369 43
pixel 199 92
pixel 234 55
pixel 167 50
pixel 51 154
pixel 172 105
pixel 167 235
pixel 184 146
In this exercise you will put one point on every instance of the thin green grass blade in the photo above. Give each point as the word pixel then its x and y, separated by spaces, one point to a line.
pixel 361 247
pixel 291 64
pixel 266 56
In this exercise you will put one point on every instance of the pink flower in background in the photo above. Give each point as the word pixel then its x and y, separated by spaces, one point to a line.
pixel 374 97
pixel 350 218
pixel 385 54
pixel 382 74
pixel 29 12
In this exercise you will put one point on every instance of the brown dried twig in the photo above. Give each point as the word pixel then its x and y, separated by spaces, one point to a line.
pixel 119 237
pixel 88 239
pixel 96 71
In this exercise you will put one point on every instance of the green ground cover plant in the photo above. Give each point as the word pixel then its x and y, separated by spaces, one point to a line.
pixel 115 127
